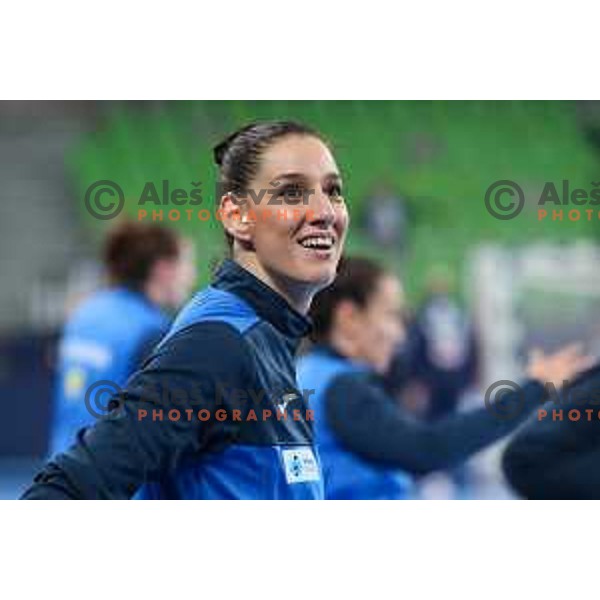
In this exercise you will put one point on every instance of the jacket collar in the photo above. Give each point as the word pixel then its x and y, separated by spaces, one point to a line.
pixel 137 295
pixel 268 304
pixel 328 350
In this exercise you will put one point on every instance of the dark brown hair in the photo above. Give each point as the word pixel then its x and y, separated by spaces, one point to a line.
pixel 356 280
pixel 131 250
pixel 238 156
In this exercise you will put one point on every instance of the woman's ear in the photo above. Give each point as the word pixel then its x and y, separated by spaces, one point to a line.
pixel 237 218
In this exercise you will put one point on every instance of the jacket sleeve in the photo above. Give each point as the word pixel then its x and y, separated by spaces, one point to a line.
pixel 556 457
pixel 146 346
pixel 366 421
pixel 111 459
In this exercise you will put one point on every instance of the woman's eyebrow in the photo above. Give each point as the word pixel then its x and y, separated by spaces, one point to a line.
pixel 334 175
pixel 278 178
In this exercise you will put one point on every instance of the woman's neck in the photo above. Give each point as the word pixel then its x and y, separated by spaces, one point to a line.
pixel 298 296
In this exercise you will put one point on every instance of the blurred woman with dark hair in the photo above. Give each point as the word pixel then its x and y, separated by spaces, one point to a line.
pixel 369 447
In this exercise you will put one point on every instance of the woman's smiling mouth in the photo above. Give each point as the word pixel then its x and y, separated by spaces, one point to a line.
pixel 318 244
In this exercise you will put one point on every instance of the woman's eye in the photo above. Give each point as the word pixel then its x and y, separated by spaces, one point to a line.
pixel 335 192
pixel 293 192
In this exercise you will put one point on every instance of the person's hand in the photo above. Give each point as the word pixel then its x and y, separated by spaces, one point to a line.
pixel 558 368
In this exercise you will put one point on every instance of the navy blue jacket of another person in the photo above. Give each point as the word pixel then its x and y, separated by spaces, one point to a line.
pixel 556 455
pixel 228 363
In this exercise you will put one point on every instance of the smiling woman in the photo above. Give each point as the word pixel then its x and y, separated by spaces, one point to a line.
pixel 241 332
pixel 297 257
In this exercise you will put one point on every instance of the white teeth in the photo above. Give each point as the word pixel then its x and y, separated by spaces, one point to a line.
pixel 320 242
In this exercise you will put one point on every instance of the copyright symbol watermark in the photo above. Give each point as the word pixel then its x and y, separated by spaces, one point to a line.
pixel 104 199
pixel 508 401
pixel 103 408
pixel 504 199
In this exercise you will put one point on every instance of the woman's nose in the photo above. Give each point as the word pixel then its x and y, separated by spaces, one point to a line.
pixel 320 208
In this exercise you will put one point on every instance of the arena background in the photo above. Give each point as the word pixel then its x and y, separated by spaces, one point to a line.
pixel 522 281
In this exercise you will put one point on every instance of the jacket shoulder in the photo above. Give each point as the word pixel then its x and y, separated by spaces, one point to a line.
pixel 212 304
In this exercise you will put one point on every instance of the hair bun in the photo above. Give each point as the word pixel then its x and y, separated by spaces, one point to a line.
pixel 221 149
pixel 219 152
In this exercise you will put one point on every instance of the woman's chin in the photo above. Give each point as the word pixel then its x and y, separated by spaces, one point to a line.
pixel 320 276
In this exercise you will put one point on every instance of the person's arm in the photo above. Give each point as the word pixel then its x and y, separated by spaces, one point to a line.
pixel 555 457
pixel 144 349
pixel 118 454
pixel 368 422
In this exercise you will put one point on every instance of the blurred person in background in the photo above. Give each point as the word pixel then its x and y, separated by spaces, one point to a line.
pixel 444 350
pixel 444 360
pixel 370 448
pixel 150 271
pixel 386 217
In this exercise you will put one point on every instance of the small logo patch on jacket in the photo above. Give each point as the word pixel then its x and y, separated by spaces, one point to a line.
pixel 285 400
pixel 300 465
